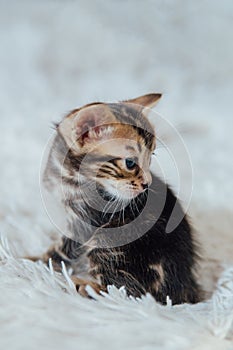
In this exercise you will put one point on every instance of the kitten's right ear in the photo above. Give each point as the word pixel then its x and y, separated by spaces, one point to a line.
pixel 149 100
pixel 85 124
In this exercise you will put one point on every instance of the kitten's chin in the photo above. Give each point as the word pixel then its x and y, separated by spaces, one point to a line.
pixel 112 195
pixel 107 196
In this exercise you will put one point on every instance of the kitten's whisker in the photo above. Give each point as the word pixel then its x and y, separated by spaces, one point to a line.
pixel 107 208
pixel 115 209
pixel 131 202
pixel 152 190
pixel 123 213
pixel 136 206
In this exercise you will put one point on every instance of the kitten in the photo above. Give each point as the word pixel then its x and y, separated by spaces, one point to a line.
pixel 116 210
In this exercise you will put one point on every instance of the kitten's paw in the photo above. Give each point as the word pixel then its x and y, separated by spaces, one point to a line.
pixel 56 264
pixel 33 258
pixel 81 284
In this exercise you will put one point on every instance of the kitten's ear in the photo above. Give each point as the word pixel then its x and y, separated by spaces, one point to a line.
pixel 86 125
pixel 149 100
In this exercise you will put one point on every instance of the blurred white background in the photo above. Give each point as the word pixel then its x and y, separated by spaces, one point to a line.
pixel 58 55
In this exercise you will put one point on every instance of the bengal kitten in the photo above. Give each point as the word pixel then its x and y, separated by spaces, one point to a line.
pixel 102 153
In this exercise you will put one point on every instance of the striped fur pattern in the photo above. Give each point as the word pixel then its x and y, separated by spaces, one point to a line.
pixel 104 151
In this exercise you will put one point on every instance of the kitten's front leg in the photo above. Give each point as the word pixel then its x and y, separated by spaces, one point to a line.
pixel 108 266
pixel 122 278
pixel 66 250
pixel 55 255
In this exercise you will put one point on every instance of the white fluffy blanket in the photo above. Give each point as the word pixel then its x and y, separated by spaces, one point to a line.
pixel 58 55
pixel 42 309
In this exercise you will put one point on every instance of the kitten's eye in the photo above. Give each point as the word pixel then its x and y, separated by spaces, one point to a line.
pixel 130 163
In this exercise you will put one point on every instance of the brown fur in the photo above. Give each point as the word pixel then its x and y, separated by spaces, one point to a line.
pixel 156 286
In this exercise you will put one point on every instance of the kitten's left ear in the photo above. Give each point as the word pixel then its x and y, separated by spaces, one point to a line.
pixel 86 125
pixel 149 100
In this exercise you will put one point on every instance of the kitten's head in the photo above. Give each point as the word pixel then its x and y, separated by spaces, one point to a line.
pixel 111 145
